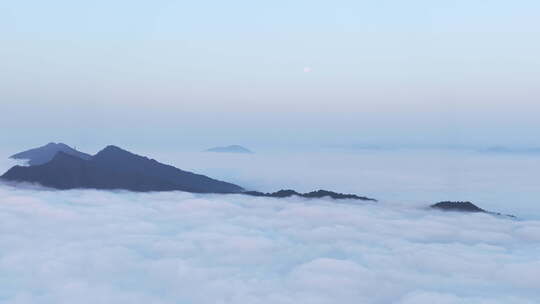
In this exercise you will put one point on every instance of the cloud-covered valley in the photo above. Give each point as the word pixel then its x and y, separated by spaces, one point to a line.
pixel 119 247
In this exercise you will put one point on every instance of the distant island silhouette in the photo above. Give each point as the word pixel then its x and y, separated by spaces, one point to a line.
pixel 313 194
pixel 44 154
pixel 511 150
pixel 457 206
pixel 464 207
pixel 230 149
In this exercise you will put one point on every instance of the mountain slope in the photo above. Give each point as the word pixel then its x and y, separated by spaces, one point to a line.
pixel 113 156
pixel 44 154
pixel 114 168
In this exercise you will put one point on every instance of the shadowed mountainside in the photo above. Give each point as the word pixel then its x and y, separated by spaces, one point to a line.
pixel 114 168
pixel 44 154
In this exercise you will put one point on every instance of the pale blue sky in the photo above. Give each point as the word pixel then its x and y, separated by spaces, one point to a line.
pixel 224 71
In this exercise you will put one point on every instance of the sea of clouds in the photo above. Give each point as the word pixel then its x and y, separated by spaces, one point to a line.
pixel 89 246
pixel 86 246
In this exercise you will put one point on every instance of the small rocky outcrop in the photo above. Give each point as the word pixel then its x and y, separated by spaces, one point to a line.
pixel 313 194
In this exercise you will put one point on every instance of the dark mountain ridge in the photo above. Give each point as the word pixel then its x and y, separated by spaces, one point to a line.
pixel 313 194
pixel 114 168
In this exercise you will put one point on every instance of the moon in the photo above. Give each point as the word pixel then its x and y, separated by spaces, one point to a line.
pixel 307 69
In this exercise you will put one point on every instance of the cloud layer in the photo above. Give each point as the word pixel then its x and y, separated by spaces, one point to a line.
pixel 119 247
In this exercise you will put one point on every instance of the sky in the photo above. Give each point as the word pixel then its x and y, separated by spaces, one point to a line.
pixel 274 73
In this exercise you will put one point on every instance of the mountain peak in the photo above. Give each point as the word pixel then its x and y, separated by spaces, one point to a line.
pixel 113 150
pixel 56 145
pixel 115 156
pixel 457 206
pixel 46 153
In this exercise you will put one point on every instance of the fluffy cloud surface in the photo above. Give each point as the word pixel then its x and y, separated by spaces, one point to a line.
pixel 119 247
